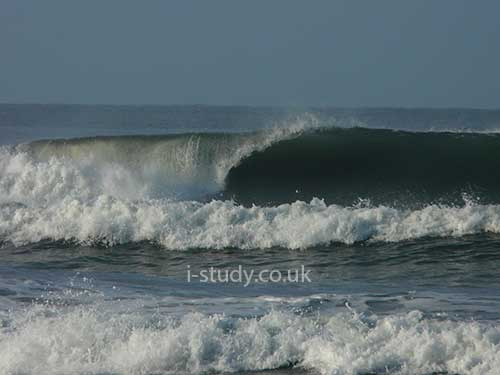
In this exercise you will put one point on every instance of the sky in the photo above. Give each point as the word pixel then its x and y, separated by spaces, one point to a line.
pixel 352 53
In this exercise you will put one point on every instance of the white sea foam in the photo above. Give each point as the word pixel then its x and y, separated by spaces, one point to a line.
pixel 90 340
pixel 221 224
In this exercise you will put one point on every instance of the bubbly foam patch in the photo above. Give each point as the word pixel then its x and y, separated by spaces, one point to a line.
pixel 221 224
pixel 90 341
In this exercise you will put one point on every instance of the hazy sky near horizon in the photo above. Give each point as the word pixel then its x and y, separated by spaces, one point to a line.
pixel 280 52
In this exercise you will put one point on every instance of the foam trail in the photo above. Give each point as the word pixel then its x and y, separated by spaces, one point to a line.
pixel 90 340
pixel 221 224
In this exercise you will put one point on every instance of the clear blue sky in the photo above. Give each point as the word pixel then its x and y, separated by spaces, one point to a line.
pixel 421 53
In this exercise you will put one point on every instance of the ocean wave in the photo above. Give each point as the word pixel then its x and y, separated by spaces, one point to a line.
pixel 298 160
pixel 91 340
pixel 226 190
pixel 224 224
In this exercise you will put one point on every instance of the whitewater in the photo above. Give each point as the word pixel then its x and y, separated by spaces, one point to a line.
pixel 92 342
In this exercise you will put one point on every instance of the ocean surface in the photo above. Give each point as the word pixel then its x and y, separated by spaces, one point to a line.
pixel 110 215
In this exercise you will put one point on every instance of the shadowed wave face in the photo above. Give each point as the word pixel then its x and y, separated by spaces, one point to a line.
pixel 384 166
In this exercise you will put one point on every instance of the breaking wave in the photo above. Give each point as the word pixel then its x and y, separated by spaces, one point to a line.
pixel 250 190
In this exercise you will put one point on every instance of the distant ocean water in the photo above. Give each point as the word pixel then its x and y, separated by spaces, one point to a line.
pixel 104 210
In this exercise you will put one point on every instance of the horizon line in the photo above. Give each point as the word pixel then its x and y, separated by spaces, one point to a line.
pixel 262 106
